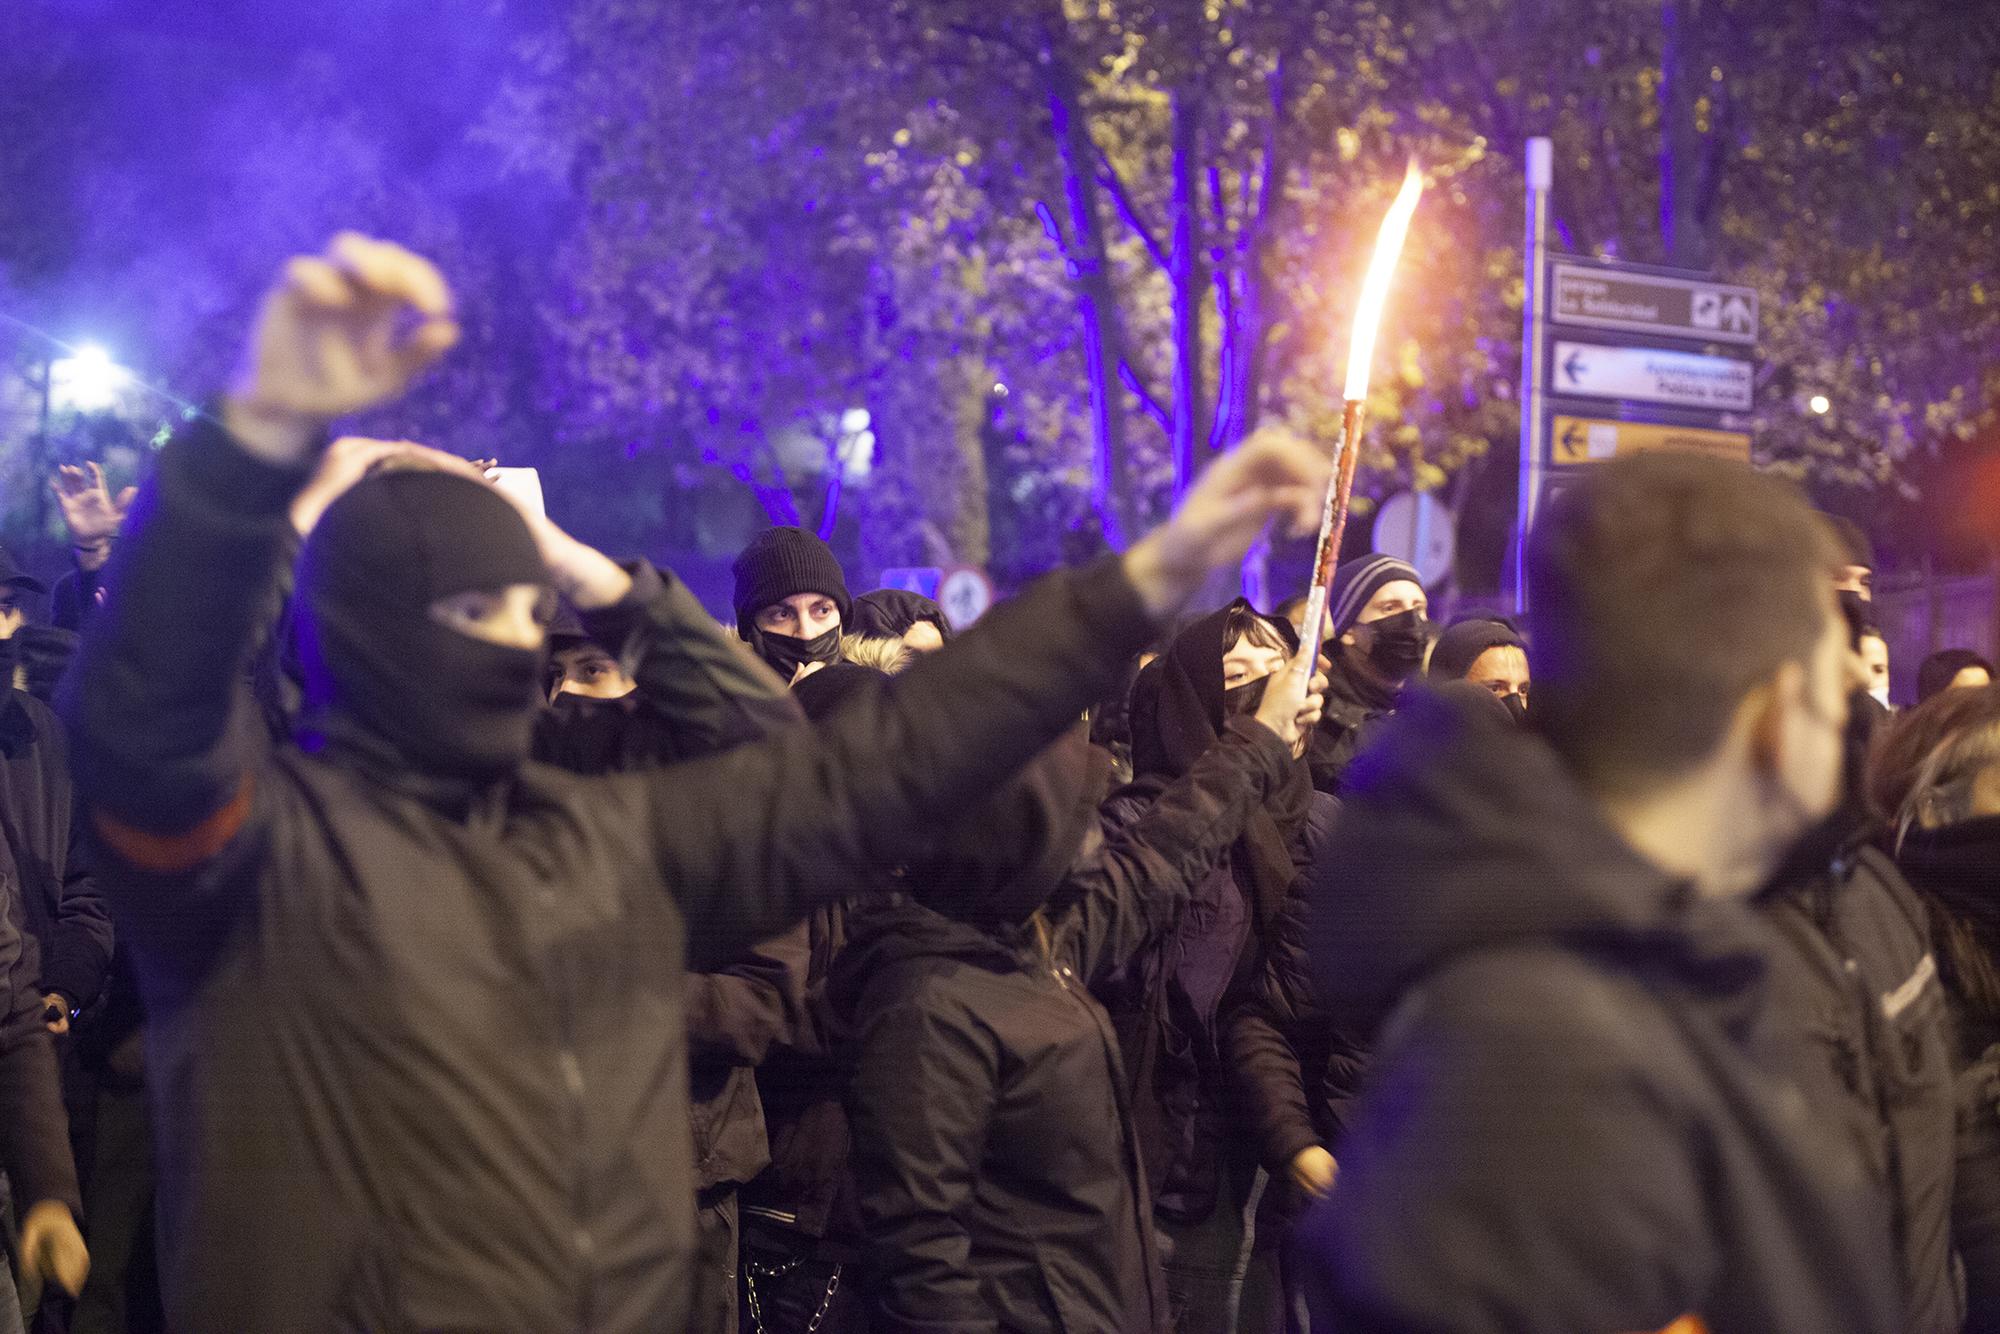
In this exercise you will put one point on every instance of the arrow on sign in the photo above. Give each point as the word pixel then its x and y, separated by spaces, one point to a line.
pixel 1736 314
pixel 1573 368
pixel 1572 439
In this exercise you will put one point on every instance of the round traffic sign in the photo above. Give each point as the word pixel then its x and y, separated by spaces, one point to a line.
pixel 965 593
pixel 1415 526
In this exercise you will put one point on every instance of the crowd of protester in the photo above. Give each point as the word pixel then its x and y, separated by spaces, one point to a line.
pixel 417 920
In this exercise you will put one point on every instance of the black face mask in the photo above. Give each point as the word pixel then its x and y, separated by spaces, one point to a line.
pixel 1517 706
pixel 787 653
pixel 1243 701
pixel 1395 644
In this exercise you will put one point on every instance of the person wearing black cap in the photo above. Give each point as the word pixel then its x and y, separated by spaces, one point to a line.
pixel 1011 1195
pixel 418 1000
pixel 791 600
pixel 1491 654
pixel 1376 636
pixel 897 613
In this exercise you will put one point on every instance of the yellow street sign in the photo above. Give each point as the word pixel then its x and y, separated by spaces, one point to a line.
pixel 1593 440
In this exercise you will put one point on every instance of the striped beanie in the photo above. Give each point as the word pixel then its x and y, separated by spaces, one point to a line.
pixel 1356 583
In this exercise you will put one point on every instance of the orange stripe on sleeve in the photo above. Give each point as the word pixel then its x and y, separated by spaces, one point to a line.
pixel 167 854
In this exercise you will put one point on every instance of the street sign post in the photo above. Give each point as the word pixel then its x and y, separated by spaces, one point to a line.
pixel 1578 440
pixel 1652 375
pixel 1594 296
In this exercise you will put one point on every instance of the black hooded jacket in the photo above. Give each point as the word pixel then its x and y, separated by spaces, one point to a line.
pixel 418 1053
pixel 1168 1003
pixel 1576 1118
pixel 1000 1180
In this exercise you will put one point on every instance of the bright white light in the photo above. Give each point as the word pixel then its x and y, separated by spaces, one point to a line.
pixel 1820 404
pixel 854 421
pixel 87 380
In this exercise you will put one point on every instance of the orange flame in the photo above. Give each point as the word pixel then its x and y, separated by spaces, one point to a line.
pixel 1375 288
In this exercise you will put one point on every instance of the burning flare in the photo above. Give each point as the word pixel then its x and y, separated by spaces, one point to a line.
pixel 1375 288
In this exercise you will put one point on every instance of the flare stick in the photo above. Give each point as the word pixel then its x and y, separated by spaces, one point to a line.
pixel 1360 356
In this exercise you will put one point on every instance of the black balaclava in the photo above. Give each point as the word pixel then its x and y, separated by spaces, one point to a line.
pixel 447 705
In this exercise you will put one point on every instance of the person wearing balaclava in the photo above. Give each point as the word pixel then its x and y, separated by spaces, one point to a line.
pixel 791 600
pixel 996 1158
pixel 1168 1003
pixel 1377 633
pixel 1489 653
pixel 418 1001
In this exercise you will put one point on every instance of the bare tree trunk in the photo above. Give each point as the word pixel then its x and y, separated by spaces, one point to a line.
pixel 1096 302
pixel 1190 288
pixel 1682 75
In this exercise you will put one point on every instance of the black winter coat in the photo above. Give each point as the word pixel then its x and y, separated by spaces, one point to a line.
pixel 737 1012
pixel 1577 1116
pixel 1000 1181
pixel 418 1054
pixel 65 917
pixel 34 1134
pixel 1854 976
pixel 1355 710
pixel 1171 1006
pixel 1295 1069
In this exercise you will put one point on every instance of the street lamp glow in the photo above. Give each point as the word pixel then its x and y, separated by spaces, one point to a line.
pixel 87 380
pixel 1820 404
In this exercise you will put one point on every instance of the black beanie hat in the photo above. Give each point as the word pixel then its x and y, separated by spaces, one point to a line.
pixel 449 704
pixel 782 562
pixel 1460 646
pixel 1356 583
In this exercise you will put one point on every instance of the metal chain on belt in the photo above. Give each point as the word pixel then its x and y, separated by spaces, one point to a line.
pixel 753 1271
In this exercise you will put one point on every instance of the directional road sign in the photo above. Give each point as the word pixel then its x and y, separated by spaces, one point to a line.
pixel 920 579
pixel 1602 298
pixel 1593 440
pixel 1650 375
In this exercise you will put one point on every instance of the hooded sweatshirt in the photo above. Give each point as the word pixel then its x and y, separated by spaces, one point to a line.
pixel 1000 1180
pixel 1577 1119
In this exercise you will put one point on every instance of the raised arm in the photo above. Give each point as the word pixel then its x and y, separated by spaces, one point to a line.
pixel 752 840
pixel 1134 889
pixel 164 734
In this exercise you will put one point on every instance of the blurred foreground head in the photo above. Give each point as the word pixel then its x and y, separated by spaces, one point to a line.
pixel 1686 632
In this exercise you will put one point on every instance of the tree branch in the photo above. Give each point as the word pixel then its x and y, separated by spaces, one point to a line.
pixel 1114 184
pixel 1147 398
